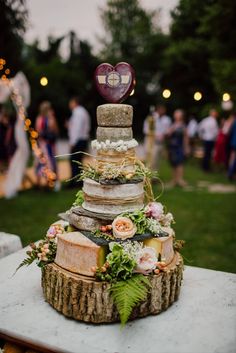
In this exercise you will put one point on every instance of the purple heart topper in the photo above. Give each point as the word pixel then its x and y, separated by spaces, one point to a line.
pixel 115 83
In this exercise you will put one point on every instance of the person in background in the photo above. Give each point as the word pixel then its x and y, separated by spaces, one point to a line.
pixel 232 146
pixel 4 121
pixel 47 128
pixel 192 129
pixel 78 131
pixel 161 123
pixel 221 152
pixel 208 131
pixel 178 147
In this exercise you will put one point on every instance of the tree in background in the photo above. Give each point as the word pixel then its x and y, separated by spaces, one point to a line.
pixel 201 55
pixel 219 29
pixel 13 20
pixel 132 35
pixel 186 66
pixel 73 76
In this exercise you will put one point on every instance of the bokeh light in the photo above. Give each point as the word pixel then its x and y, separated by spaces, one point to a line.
pixel 43 81
pixel 226 97
pixel 166 93
pixel 197 96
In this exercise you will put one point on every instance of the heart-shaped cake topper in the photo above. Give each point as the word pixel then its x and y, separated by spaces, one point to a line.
pixel 115 83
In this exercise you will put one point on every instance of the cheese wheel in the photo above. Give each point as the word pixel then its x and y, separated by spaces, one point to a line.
pixel 112 209
pixel 163 247
pixel 114 134
pixel 109 192
pixel 77 253
pixel 112 199
pixel 120 115
pixel 116 159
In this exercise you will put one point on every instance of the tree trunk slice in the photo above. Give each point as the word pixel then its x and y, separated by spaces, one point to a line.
pixel 85 299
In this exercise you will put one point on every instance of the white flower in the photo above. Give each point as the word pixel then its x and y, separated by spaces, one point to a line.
pixel 146 260
pixel 132 248
pixel 153 226
pixel 167 219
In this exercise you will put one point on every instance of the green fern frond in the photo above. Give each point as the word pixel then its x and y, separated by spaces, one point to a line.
pixel 26 262
pixel 127 294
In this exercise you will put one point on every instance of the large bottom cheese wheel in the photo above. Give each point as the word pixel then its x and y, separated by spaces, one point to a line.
pixel 115 115
pixel 114 134
pixel 78 254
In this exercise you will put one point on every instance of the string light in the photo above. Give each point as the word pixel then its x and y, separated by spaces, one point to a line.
pixel 166 93
pixel 49 175
pixel 226 97
pixel 197 96
pixel 132 92
pixel 43 81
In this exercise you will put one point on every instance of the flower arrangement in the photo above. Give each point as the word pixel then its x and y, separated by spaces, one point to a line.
pixel 45 251
pixel 127 268
pixel 119 146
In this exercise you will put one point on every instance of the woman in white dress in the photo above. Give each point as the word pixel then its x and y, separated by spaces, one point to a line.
pixel 17 167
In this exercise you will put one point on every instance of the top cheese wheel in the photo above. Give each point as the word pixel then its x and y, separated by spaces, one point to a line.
pixel 119 115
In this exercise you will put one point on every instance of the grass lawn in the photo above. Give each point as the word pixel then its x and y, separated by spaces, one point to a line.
pixel 204 220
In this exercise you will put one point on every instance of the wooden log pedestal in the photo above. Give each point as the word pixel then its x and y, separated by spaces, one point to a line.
pixel 85 299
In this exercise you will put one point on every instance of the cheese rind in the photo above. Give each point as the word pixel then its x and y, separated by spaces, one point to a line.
pixel 85 223
pixel 77 253
pixel 114 134
pixel 115 115
pixel 108 191
pixel 112 199
pixel 163 246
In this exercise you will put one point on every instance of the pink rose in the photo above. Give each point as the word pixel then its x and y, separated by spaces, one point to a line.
pixel 146 260
pixel 154 210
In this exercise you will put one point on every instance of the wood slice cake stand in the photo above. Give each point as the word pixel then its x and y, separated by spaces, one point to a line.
pixel 85 299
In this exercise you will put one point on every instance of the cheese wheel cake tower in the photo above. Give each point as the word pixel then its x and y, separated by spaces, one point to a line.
pixel 111 235
pixel 115 148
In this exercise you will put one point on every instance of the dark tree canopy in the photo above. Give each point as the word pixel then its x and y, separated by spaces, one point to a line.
pixel 13 21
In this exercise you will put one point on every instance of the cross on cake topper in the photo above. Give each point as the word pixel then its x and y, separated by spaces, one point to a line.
pixel 115 83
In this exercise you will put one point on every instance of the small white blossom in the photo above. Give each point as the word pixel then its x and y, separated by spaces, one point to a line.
pixel 167 219
pixel 153 226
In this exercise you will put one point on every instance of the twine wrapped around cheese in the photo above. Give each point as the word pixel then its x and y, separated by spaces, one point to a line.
pixel 100 200
pixel 124 160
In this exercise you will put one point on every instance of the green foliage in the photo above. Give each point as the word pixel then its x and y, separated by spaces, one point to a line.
pixel 79 198
pixel 40 254
pixel 99 234
pixel 129 293
pixel 120 265
pixel 28 260
pixel 139 219
pixel 201 54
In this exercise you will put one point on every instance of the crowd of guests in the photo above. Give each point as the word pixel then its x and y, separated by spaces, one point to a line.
pixel 78 126
pixel 179 137
pixel 14 145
